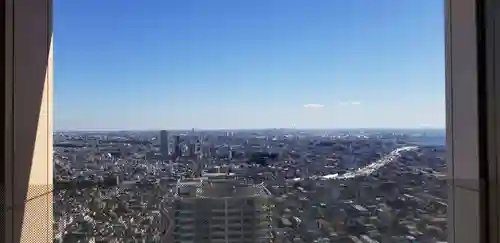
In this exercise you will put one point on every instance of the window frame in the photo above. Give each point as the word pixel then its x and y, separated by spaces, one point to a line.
pixel 471 119
pixel 471 29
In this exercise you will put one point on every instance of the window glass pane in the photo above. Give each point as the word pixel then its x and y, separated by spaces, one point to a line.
pixel 250 121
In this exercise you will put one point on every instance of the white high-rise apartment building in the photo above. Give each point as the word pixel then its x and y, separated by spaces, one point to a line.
pixel 220 210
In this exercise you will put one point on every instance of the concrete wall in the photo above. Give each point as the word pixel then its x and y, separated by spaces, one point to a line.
pixel 472 96
pixel 28 130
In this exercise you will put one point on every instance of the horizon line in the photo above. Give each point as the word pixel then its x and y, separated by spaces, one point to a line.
pixel 240 129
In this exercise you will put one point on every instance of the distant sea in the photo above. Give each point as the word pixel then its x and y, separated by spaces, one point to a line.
pixel 429 140
pixel 435 137
pixel 419 137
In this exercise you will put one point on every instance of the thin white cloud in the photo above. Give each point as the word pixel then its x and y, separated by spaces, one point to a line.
pixel 313 106
pixel 350 103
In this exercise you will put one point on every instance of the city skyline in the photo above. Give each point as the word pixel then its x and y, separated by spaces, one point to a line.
pixel 441 131
pixel 175 65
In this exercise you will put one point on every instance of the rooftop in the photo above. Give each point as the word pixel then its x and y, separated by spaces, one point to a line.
pixel 219 188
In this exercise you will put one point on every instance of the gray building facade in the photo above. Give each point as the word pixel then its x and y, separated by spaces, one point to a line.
pixel 215 210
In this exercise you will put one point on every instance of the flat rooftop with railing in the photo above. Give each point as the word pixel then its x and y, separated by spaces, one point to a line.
pixel 218 188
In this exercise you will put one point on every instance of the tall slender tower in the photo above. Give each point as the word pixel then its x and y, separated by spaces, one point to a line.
pixel 164 144
pixel 177 146
pixel 230 153
pixel 192 150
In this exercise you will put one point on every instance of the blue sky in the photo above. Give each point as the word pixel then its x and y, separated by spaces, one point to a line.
pixel 173 64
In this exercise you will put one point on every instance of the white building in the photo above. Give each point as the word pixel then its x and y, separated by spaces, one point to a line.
pixel 219 210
